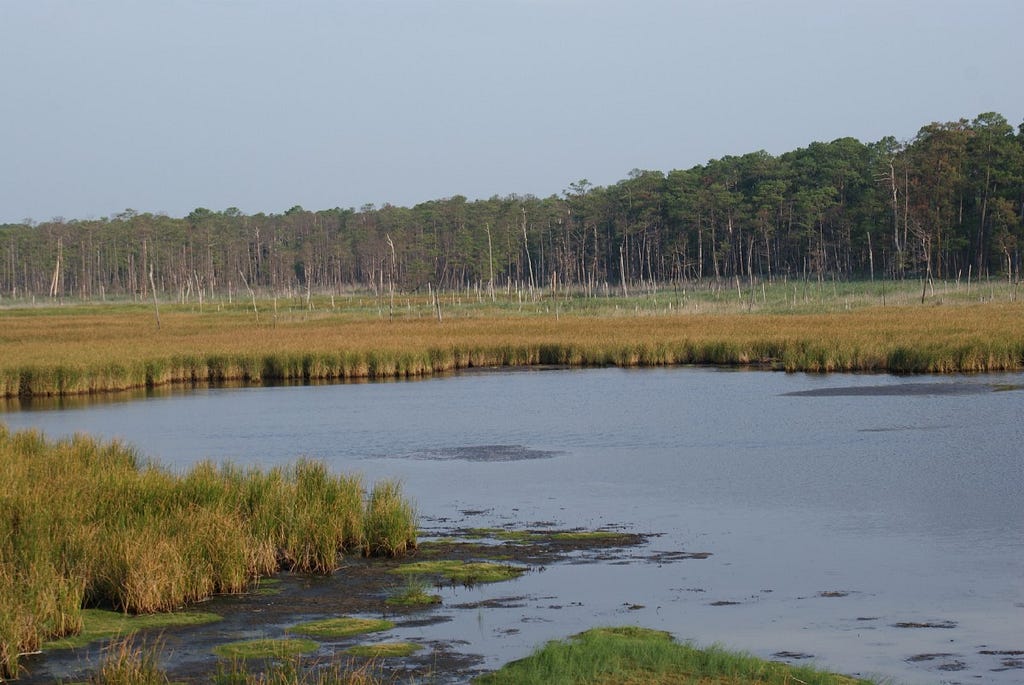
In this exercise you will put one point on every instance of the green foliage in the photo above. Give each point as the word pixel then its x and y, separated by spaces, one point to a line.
pixel 947 204
pixel 344 626
pixel 463 572
pixel 85 523
pixel 639 655
pixel 265 649
pixel 380 650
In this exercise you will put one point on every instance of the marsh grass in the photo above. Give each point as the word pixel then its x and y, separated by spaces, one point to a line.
pixel 102 623
pixel 296 670
pixel 467 573
pixel 638 655
pixel 85 523
pixel 381 650
pixel 127 662
pixel 413 594
pixel 344 626
pixel 266 648
pixel 72 350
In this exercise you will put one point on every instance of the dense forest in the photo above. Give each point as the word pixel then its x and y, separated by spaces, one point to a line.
pixel 947 204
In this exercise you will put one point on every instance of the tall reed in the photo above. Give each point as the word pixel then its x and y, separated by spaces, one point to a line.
pixel 88 523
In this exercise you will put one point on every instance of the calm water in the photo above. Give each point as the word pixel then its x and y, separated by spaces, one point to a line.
pixel 906 495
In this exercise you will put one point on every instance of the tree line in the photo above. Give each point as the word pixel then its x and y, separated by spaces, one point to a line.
pixel 947 204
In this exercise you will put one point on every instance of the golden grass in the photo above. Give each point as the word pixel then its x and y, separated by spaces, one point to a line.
pixel 85 523
pixel 78 350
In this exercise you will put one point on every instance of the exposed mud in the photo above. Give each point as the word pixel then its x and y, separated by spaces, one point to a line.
pixel 360 587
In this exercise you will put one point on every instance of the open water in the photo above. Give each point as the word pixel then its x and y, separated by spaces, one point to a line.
pixel 871 524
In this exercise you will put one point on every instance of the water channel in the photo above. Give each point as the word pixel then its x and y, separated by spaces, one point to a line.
pixel 871 524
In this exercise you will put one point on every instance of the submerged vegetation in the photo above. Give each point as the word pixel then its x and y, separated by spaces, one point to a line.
pixel 639 655
pixel 88 524
pixel 83 349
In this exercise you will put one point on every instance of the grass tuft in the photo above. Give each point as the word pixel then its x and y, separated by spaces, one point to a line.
pixel 341 627
pixel 639 655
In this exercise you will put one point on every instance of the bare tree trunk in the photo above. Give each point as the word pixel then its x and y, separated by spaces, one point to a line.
pixel 156 304
pixel 251 294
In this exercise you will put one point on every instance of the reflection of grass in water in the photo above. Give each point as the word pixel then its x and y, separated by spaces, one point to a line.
pixel 341 627
pixel 268 587
pixel 413 594
pixel 98 624
pixel 463 572
pixel 265 649
pixel 384 649
pixel 639 655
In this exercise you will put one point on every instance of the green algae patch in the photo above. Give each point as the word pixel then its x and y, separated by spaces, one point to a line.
pixel 265 649
pixel 98 624
pixel 633 654
pixel 343 626
pixel 463 572
pixel 384 649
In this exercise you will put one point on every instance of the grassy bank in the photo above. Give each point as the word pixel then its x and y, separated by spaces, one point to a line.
pixel 69 350
pixel 638 655
pixel 85 523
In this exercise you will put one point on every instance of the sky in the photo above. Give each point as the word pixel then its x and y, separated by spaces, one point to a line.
pixel 166 106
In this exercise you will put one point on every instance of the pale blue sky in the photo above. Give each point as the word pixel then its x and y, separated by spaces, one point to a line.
pixel 164 106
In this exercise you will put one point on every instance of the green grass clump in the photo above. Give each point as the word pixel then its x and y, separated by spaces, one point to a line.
pixel 384 649
pixel 100 623
pixel 85 523
pixel 463 572
pixel 265 649
pixel 639 655
pixel 341 627
pixel 414 594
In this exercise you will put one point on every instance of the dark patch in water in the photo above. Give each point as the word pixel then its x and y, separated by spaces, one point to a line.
pixel 918 658
pixel 833 593
pixel 724 603
pixel 486 453
pixel 792 655
pixel 496 603
pixel 928 624
pixel 665 557
pixel 901 390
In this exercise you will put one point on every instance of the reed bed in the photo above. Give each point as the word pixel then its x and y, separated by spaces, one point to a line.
pixel 85 523
pixel 83 350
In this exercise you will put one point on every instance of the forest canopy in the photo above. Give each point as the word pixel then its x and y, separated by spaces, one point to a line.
pixel 947 204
